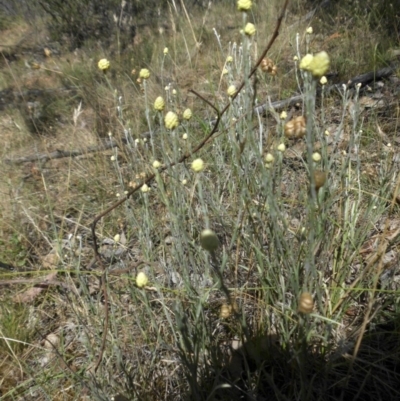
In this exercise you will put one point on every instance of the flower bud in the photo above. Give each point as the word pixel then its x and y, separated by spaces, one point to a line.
pixel 319 179
pixel 141 279
pixel 187 114
pixel 281 147
pixel 197 165
pixel 145 188
pixel 231 90
pixel 144 73
pixel 103 64
pixel 316 157
pixel 306 303
pixel 209 240
pixel 269 158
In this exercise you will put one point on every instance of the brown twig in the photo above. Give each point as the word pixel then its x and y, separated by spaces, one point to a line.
pixel 179 161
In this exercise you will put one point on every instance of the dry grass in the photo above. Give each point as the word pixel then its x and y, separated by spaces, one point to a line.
pixel 207 326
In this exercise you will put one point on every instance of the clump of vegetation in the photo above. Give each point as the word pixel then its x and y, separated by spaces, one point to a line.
pixel 194 235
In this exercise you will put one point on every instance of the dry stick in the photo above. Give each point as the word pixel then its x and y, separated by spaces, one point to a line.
pixel 364 79
pixel 152 176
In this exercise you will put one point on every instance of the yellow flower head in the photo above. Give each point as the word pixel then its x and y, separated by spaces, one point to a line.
pixel 197 165
pixel 165 50
pixel 269 158
pixel 323 80
pixel 316 157
pixel 187 114
pixel 171 120
pixel 309 30
pixel 281 147
pixel 305 62
pixel 145 188
pixel 103 64
pixel 319 64
pixel 231 90
pixel 159 104
pixel 229 59
pixel 249 29
pixel 244 5
pixel 144 73
pixel 141 279
pixel 156 164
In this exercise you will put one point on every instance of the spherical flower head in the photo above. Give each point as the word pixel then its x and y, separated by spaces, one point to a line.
pixel 159 104
pixel 187 114
pixel 295 58
pixel 296 128
pixel 281 147
pixel 244 5
pixel 209 240
pixel 306 61
pixel 309 30
pixel 145 188
pixel 249 29
pixel 225 71
pixel 269 158
pixel 185 136
pixel 156 164
pixel 141 280
pixel 283 115
pixel 268 66
pixel 171 120
pixel 319 65
pixel 229 59
pixel 323 80
pixel 316 157
pixel 197 165
pixel 103 64
pixel 117 237
pixel 144 73
pixel 165 50
pixel 231 90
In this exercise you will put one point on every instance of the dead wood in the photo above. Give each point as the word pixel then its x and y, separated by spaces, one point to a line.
pixel 363 79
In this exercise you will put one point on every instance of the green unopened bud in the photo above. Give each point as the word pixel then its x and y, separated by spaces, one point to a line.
pixel 209 240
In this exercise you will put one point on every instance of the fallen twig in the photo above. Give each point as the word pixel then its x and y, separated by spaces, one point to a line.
pixel 363 79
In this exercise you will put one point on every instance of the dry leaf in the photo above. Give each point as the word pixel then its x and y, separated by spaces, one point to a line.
pixel 31 293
